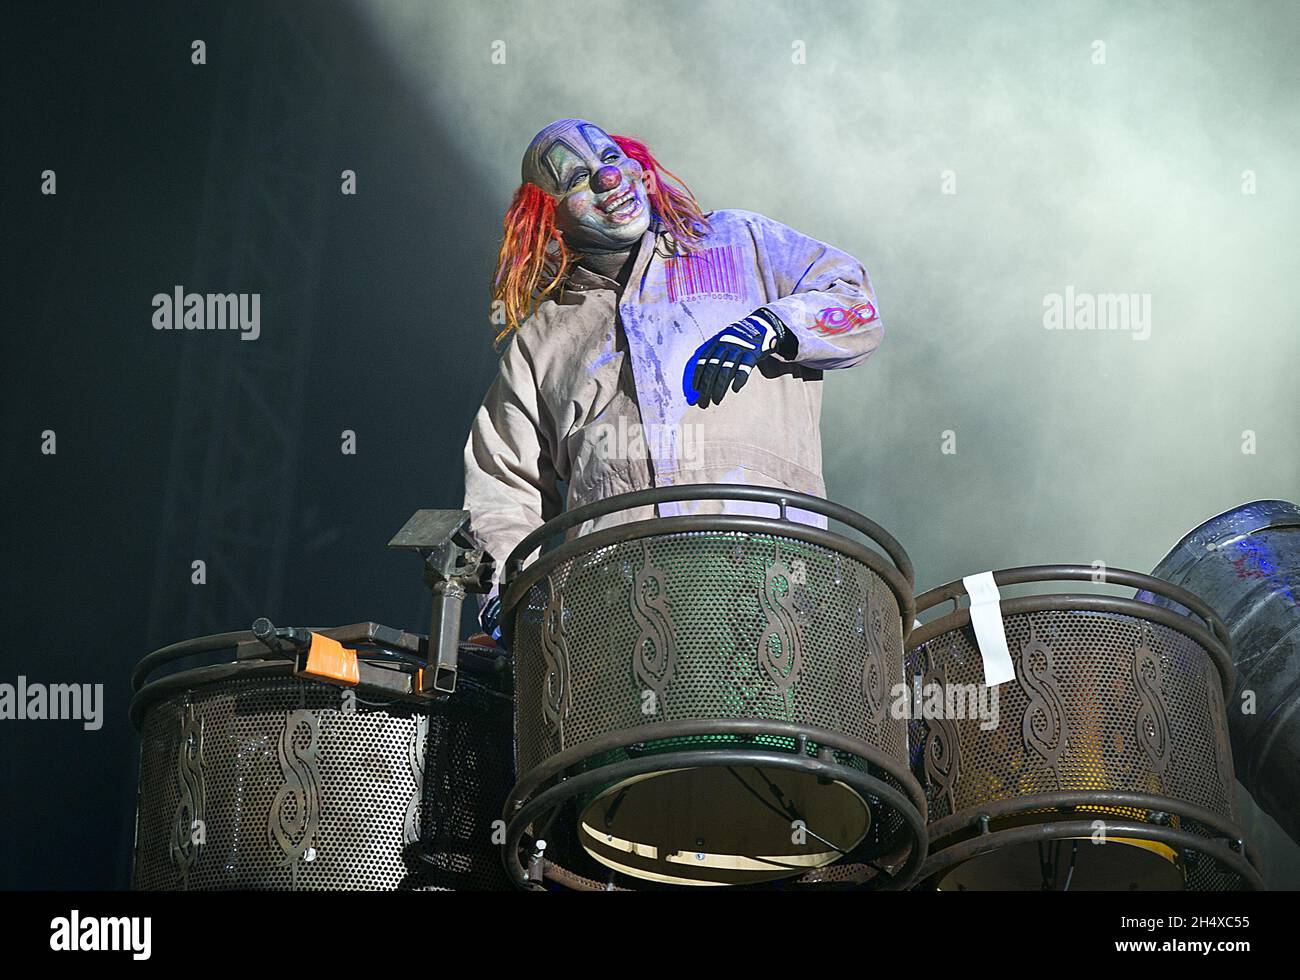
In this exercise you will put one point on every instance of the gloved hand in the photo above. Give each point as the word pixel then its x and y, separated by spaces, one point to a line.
pixel 489 617
pixel 726 359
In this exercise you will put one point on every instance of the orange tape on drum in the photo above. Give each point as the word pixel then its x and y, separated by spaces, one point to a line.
pixel 331 660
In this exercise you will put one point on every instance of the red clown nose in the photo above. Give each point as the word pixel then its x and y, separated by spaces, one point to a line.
pixel 606 179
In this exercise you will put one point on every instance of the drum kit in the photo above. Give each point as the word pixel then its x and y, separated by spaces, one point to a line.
pixel 726 700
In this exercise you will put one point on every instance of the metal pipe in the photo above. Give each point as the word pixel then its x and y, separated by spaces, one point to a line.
pixel 444 637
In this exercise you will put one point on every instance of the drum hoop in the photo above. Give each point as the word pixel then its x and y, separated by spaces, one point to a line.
pixel 972 816
pixel 155 691
pixel 159 690
pixel 1027 574
pixel 556 796
pixel 1274 513
pixel 187 648
pixel 369 638
pixel 944 858
pixel 514 589
pixel 1216 649
pixel 555 765
pixel 712 491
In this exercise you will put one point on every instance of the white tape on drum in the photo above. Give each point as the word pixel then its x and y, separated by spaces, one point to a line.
pixel 986 619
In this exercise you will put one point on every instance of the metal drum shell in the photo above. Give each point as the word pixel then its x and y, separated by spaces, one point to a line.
pixel 567 611
pixel 1116 714
pixel 1245 563
pixel 299 784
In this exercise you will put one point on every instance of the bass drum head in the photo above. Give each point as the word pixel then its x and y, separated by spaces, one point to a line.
pixel 1076 864
pixel 728 825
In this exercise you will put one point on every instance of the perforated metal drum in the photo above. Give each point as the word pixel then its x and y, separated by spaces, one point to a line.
pixel 1104 763
pixel 252 777
pixel 703 700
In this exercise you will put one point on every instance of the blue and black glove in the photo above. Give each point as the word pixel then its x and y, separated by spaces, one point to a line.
pixel 489 618
pixel 726 359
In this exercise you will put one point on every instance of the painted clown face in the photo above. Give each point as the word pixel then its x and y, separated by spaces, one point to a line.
pixel 600 192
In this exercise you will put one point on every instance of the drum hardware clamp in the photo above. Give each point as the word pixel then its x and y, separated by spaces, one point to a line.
pixel 331 655
pixel 455 564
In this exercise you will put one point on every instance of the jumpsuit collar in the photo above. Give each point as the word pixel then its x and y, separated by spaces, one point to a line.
pixel 582 278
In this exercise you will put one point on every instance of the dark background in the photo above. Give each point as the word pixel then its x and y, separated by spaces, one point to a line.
pixel 220 178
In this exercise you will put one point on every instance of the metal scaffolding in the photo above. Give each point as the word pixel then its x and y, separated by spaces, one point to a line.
pixel 237 431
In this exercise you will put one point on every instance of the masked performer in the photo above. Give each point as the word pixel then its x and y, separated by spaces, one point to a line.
pixel 650 344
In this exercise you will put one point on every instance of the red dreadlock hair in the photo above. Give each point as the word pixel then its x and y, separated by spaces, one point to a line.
pixel 534 260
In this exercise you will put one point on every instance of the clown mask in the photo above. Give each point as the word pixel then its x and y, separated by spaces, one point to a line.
pixel 599 191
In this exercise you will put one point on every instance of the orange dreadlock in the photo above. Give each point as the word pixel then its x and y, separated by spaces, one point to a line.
pixel 533 259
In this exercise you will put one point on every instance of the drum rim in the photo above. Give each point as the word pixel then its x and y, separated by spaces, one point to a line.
pixel 972 816
pixel 588 834
pixel 1215 640
pixel 551 799
pixel 943 859
pixel 514 589
pixel 151 694
pixel 713 491
pixel 524 797
pixel 368 638
pixel 1275 512
pixel 363 636
pixel 186 648
pixel 619 738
